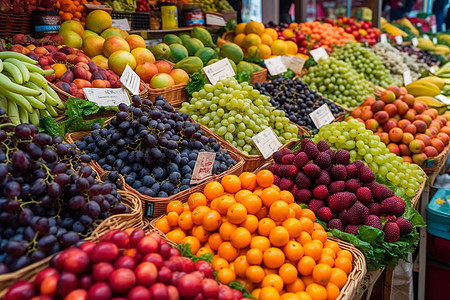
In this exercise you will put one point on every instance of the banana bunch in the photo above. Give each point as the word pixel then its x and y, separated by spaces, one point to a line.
pixel 24 92
pixel 428 86
pixel 444 71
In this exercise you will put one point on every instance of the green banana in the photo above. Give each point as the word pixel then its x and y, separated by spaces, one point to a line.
pixel 16 55
pixel 13 112
pixel 55 97
pixel 23 115
pixel 14 71
pixel 1 65
pixel 39 80
pixel 48 72
pixel 34 86
pixel 7 84
pixel 17 98
pixel 22 68
pixel 51 110
pixel 50 100
pixel 35 102
pixel 3 102
pixel 33 68
pixel 43 113
pixel 34 117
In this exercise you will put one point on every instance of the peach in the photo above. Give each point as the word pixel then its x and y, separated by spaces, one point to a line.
pixel 430 151
pixel 369 101
pixel 438 144
pixel 395 89
pixel 20 49
pixel 433 113
pixel 436 124
pixel 410 128
pixel 395 134
pixel 120 59
pixel 443 137
pixel 81 59
pixel 98 83
pixel 146 71
pixel 407 159
pixel 403 123
pixel 71 58
pixel 384 137
pixel 377 106
pixel 93 45
pixel 179 76
pixel 393 148
pixel 113 44
pixel 401 106
pixel 381 116
pixel 380 129
pixel 80 72
pixel 410 115
pixel 419 158
pixel 81 83
pixel 101 61
pixel 391 109
pixel 372 124
pixel 391 123
pixel 421 126
pixel 424 138
pixel 143 55
pixel 442 120
pixel 446 129
pixel 51 48
pixel 388 96
pixel 432 132
pixel 420 106
pixel 366 114
pixel 409 99
pixel 356 113
pixel 404 150
pixel 427 119
pixel 135 41
pixel 407 138
pixel 41 50
pixel 403 91
pixel 161 80
pixel 163 66
pixel 416 146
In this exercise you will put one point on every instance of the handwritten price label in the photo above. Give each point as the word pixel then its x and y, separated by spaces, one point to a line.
pixel 319 53
pixel 275 65
pixel 322 116
pixel 107 97
pixel 399 39
pixel 219 70
pixel 122 24
pixel 415 42
pixel 383 38
pixel 203 167
pixel 130 80
pixel 267 142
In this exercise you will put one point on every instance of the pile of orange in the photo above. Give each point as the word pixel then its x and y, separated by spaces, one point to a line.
pixel 73 10
pixel 261 237
pixel 325 33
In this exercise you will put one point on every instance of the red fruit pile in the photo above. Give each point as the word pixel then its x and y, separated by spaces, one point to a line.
pixel 131 266
pixel 344 195
pixel 142 5
pixel 361 30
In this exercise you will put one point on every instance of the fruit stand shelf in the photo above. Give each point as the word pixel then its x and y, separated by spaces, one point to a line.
pixel 160 33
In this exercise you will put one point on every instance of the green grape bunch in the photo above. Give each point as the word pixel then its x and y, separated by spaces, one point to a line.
pixel 337 81
pixel 236 112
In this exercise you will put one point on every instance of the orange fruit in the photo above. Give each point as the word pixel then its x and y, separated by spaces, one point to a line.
pixel 198 213
pixel 275 187
pixel 303 295
pixel 163 225
pixel 255 27
pixel 279 211
pixel 226 275
pixel 241 195
pixel 292 47
pixel 289 296
pixel 287 197
pixel 260 242
pixel 219 264
pixel 60 69
pixel 326 259
pixel 175 206
pixel 240 238
pixel 213 190
pixel 200 233
pixel 236 213
pixel 279 236
pixel 193 242
pixel 288 34
pixel 297 209
pixel 307 225
pixel 338 277
pixel 304 238
pixel 264 50
pixel 320 235
pixel 227 251
pixel 321 274
pixel 257 191
pixel 332 291
pixel 307 213
pixel 293 251
pixel 274 281
pixel 264 178
pixel 254 256
pixel 269 195
pixel 239 39
pixel 296 286
pixel 248 180
pixel 270 271
pixel 308 280
pixel 231 183
pixel 241 265
pixel 345 253
pixel 329 252
pixel 343 263
pixel 185 220
pixel 211 220
pixel 266 39
pixel 293 226
pixel 317 226
pixel 273 258
pixel 186 207
pixel 240 28
pixel 176 235
pixel 250 223
pixel 204 250
pixel 316 291
pixel 255 293
pixel 279 47
pixel 306 265
pixel 196 199
pixel 265 226
pixel 272 33
pixel 251 40
pixel 172 218
pixel 214 240
pixel 268 293
pixel 262 213
pixel 225 203
pixel 313 250
pixel 226 229
pixel 333 246
pixel 255 274
pixel 252 203
pixel 288 272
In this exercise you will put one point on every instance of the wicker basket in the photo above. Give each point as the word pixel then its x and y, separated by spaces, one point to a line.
pixel 228 36
pixel 14 23
pixel 259 76
pixel 62 94
pixel 437 163
pixel 175 95
pixel 416 200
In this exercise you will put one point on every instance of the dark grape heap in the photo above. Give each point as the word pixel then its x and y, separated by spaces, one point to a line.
pixel 295 98
pixel 154 147
pixel 422 56
pixel 49 197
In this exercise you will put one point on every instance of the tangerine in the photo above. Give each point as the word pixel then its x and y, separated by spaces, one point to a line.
pixel 185 220
pixel 334 246
pixel 255 274
pixel 279 236
pixel 176 235
pixel 293 226
pixel 307 213
pixel 204 250
pixel 200 233
pixel 236 213
pixel 255 27
pixel 240 28
pixel 304 238
pixel 332 291
pixel 266 39
pixel 316 291
pixel 269 195
pixel 288 273
pixel 272 33
pixel 320 235
pixel 260 242
pixel 293 251
pixel 287 197
pixel 252 203
pixel 321 274
pixel 274 281
pixel 163 225
pixel 313 250
pixel 254 256
pixel 273 258
pixel 289 296
pixel 226 229
pixel 231 183
pixel 265 226
pixel 214 240
pixel 172 218
pixel 196 199
pixel 262 213
pixel 307 225
pixel 219 264
pixel 226 275
pixel 268 293
pixel 211 220
pixel 248 180
pixel 227 251
pixel 213 190
pixel 240 196
pixel 326 259
pixel 297 209
pixel 240 238
pixel 306 265
pixel 225 203
pixel 241 265
pixel 264 178
pixel 297 286
pixel 343 263
pixel 198 213
pixel 193 242
pixel 303 295
pixel 345 253
pixel 264 50
pixel 279 211
pixel 239 39
pixel 250 223
pixel 338 277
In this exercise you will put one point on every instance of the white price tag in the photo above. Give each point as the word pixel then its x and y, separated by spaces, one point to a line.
pixel 319 53
pixel 407 77
pixel 95 6
pixel 398 39
pixel 295 63
pixel 267 142
pixel 322 116
pixel 443 99
pixel 425 36
pixel 203 167
pixel 433 28
pixel 383 38
pixel 121 24
pixel 435 41
pixel 215 20
pixel 275 65
pixel 130 80
pixel 415 42
pixel 219 70
pixel 107 97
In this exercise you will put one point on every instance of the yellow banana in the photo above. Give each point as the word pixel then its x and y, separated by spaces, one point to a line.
pixel 423 89
pixel 23 115
pixel 17 98
pixel 433 103
pixel 16 55
pixel 389 28
pixel 13 112
pixel 22 68
pixel 7 84
pixel 35 102
pixel 34 117
pixel 14 71
pixel 434 80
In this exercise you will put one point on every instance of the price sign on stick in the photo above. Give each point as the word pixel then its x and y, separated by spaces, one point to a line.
pixel 203 167
pixel 267 142
pixel 319 53
pixel 443 99
pixel 107 97
pixel 219 70
pixel 383 38
pixel 415 42
pixel 399 39
pixel 130 80
pixel 275 65
pixel 322 116
pixel 407 77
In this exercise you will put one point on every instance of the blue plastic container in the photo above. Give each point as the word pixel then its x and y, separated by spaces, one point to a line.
pixel 438 215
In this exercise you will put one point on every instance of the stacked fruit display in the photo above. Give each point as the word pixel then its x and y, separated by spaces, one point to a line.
pixel 295 98
pixel 407 126
pixel 153 146
pixel 50 199
pixel 339 82
pixel 325 34
pixel 260 237
pixel 363 31
pixel 363 145
pixel 73 10
pixel 344 195
pixel 237 112
pixel 421 56
pixel 24 92
pixel 127 264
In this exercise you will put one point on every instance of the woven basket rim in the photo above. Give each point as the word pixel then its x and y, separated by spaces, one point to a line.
pixel 166 89
pixel 438 161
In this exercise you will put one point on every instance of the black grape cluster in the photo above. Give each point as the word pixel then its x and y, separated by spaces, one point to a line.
pixel 154 147
pixel 422 55
pixel 49 197
pixel 295 98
